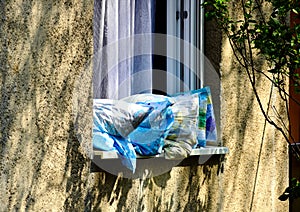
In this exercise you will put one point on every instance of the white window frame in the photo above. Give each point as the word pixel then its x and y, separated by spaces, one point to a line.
pixel 193 33
pixel 193 54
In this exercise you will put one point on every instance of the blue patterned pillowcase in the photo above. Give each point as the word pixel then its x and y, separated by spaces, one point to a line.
pixel 205 98
pixel 113 121
pixel 148 137
pixel 207 130
pixel 182 136
pixel 118 118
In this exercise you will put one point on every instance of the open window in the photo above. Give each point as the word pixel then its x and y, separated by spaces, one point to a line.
pixel 182 22
pixel 152 46
pixel 185 65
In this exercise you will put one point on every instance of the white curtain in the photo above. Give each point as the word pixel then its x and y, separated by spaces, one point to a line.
pixel 122 62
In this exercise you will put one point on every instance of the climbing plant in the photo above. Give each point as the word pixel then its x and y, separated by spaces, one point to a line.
pixel 270 35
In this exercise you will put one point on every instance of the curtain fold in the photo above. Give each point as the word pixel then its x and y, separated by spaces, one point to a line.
pixel 122 62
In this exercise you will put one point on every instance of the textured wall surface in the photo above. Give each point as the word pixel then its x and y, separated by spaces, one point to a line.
pixel 45 49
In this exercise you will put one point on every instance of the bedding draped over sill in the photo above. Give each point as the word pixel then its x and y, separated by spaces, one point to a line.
pixel 172 125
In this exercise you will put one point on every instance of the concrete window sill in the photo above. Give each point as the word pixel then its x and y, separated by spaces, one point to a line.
pixel 204 153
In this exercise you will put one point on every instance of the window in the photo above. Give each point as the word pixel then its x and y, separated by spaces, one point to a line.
pixel 154 46
pixel 175 47
pixel 186 67
pixel 182 22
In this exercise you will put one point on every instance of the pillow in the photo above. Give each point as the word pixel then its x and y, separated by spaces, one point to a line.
pixel 148 137
pixel 102 141
pixel 206 120
pixel 147 97
pixel 182 136
pixel 126 151
pixel 207 123
pixel 107 142
pixel 211 129
pixel 118 118
pixel 113 121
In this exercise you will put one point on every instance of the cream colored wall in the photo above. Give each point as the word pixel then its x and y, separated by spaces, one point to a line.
pixel 45 47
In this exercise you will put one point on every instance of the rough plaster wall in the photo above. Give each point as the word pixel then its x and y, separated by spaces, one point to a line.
pixel 45 45
pixel 256 170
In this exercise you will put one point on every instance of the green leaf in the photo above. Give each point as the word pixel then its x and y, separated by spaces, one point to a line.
pixel 295 11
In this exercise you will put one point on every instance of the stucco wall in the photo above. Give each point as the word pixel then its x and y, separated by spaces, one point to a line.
pixel 45 46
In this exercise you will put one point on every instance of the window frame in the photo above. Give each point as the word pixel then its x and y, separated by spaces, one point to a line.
pixel 197 58
pixel 184 20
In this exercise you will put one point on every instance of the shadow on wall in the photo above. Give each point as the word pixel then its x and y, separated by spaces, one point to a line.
pixel 75 166
pixel 44 47
pixel 252 165
pixel 184 188
pixel 45 44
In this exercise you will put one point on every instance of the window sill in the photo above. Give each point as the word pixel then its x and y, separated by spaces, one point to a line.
pixel 204 154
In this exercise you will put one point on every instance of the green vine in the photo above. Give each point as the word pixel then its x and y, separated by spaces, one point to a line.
pixel 271 36
pixel 292 192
